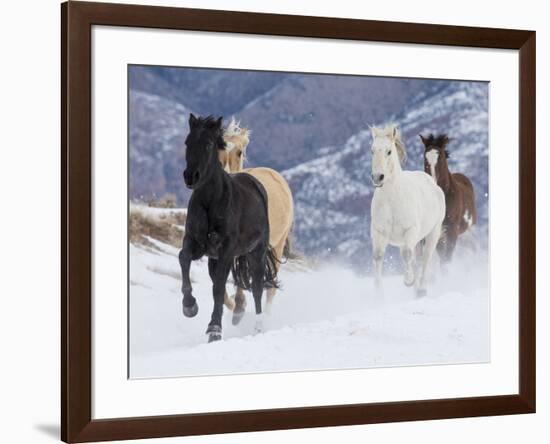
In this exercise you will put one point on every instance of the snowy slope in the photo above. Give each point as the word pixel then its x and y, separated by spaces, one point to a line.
pixel 324 318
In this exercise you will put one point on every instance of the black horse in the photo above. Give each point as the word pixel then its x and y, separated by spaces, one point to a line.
pixel 226 221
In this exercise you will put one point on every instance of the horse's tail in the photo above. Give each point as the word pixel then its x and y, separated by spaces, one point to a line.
pixel 288 250
pixel 270 269
pixel 242 275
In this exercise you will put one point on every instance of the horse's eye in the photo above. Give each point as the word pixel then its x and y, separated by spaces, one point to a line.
pixel 389 153
pixel 239 153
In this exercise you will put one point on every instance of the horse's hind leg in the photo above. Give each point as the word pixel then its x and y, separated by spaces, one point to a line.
pixel 430 245
pixel 229 301
pixel 271 291
pixel 240 306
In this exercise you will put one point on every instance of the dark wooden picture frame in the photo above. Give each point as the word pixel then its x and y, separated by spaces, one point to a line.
pixel 77 19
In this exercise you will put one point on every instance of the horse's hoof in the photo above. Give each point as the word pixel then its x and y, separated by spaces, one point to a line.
pixel 237 317
pixel 408 283
pixel 421 292
pixel 191 311
pixel 213 337
pixel 214 333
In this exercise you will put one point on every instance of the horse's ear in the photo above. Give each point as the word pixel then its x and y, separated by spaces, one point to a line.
pixel 219 122
pixel 373 131
pixel 192 120
pixel 394 132
pixel 424 140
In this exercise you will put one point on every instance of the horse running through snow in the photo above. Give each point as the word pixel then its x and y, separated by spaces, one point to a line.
pixel 461 212
pixel 227 220
pixel 279 203
pixel 407 207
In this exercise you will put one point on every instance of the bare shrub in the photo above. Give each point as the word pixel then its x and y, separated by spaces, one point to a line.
pixel 163 224
pixel 168 200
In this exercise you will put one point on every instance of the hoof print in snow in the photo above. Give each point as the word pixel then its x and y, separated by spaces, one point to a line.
pixel 421 292
pixel 191 311
pixel 214 333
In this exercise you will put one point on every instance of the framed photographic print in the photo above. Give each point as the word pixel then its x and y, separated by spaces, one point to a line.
pixel 276 221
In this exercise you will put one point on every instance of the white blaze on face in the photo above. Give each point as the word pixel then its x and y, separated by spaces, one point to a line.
pixel 432 156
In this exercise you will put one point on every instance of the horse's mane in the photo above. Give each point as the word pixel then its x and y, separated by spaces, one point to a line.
pixel 388 131
pixel 236 135
pixel 440 141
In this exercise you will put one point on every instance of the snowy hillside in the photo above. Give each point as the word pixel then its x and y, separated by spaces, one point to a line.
pixel 325 317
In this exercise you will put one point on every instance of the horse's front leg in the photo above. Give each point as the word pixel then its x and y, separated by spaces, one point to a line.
pixel 218 270
pixel 379 244
pixel 429 247
pixel 189 252
pixel 408 255
pixel 446 245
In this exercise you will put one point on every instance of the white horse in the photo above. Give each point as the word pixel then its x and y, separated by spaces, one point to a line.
pixel 407 207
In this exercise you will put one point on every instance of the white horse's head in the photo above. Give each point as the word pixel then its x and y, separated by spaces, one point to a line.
pixel 388 153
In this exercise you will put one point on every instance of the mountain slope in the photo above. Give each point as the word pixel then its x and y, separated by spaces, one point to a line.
pixel 157 131
pixel 303 113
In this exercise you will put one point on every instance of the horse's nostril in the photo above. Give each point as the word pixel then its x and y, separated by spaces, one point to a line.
pixel 196 176
pixel 381 177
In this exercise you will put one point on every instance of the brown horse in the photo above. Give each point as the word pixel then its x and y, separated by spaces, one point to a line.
pixel 461 211
pixel 279 204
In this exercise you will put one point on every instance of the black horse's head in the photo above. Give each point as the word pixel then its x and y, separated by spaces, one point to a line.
pixel 203 142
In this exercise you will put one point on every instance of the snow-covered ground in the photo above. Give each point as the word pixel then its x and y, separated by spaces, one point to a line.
pixel 323 318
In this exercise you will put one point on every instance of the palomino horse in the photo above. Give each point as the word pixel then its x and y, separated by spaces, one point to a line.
pixel 227 220
pixel 279 203
pixel 407 207
pixel 460 205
